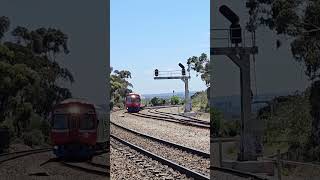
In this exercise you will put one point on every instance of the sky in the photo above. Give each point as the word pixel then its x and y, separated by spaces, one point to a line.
pixel 147 35
pixel 276 70
pixel 85 23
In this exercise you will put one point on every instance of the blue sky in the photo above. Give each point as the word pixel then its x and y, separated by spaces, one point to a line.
pixel 146 35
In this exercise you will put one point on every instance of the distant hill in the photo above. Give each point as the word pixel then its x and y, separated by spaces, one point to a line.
pixel 230 106
pixel 166 95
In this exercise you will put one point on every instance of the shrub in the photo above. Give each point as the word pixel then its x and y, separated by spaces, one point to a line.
pixel 33 137
pixel 175 100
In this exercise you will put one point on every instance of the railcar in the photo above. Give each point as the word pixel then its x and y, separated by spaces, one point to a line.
pixel 74 128
pixel 133 102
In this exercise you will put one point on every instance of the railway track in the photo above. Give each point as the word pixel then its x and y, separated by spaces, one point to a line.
pixel 14 155
pixel 88 167
pixel 156 111
pixel 204 125
pixel 196 160
pixel 160 168
pixel 178 146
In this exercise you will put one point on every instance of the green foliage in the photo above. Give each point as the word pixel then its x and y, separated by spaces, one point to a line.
pixel 4 25
pixel 201 65
pixel 155 101
pixel 175 100
pixel 200 101
pixel 289 121
pixel 120 87
pixel 29 76
pixel 231 128
pixel 296 18
pixel 32 138
pixel 216 120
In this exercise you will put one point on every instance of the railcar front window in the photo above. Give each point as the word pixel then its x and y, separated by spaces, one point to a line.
pixel 60 121
pixel 133 100
pixel 87 122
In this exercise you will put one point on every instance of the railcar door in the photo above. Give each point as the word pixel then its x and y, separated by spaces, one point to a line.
pixel 73 126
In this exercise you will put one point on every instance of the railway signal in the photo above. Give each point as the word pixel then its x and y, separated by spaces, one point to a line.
pixel 235 28
pixel 250 128
pixel 156 72
pixel 184 78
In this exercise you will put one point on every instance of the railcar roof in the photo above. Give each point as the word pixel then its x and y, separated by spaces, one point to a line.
pixel 133 94
pixel 75 100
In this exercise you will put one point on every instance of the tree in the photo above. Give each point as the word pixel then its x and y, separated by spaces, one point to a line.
pixel 4 25
pixel 29 72
pixel 300 21
pixel 201 65
pixel 175 100
pixel 155 101
pixel 120 86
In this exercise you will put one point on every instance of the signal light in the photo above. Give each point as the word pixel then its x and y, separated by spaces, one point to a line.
pixel 156 72
pixel 183 72
pixel 235 28
pixel 235 34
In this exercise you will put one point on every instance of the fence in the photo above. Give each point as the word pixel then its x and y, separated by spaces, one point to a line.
pixel 222 38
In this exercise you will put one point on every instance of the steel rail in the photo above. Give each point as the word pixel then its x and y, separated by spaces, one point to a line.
pixel 91 171
pixel 23 153
pixel 175 166
pixel 194 119
pixel 171 115
pixel 178 146
pixel 186 122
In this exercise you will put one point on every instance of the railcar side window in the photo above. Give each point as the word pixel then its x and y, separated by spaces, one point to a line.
pixel 60 121
pixel 87 122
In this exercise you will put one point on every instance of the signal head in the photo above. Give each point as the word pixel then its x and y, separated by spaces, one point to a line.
pixel 181 65
pixel 229 14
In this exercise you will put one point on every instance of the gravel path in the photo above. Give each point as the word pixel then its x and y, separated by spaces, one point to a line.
pixel 129 164
pixel 189 136
pixel 191 161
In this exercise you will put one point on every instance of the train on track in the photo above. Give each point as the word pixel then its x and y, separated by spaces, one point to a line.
pixel 78 129
pixel 133 103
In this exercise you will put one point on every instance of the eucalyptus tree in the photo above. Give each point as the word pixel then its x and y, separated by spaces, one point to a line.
pixel 299 21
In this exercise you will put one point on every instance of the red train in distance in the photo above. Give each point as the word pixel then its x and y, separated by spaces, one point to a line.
pixel 74 129
pixel 133 102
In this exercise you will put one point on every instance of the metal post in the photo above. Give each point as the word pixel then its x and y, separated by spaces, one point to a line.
pixel 187 104
pixel 220 152
pixel 247 141
pixel 279 164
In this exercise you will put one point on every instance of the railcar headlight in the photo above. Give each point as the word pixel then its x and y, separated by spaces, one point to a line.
pixel 74 110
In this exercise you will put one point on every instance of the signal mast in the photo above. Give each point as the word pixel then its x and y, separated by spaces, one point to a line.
pixel 175 75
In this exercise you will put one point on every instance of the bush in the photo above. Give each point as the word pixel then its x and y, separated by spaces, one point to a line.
pixel 34 137
pixel 155 101
pixel 175 100
pixel 231 128
pixel 216 120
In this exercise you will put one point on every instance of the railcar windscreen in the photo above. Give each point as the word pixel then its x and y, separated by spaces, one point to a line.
pixel 133 99
pixel 87 122
pixel 60 121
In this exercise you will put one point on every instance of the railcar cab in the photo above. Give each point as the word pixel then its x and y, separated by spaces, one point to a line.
pixel 133 102
pixel 73 131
